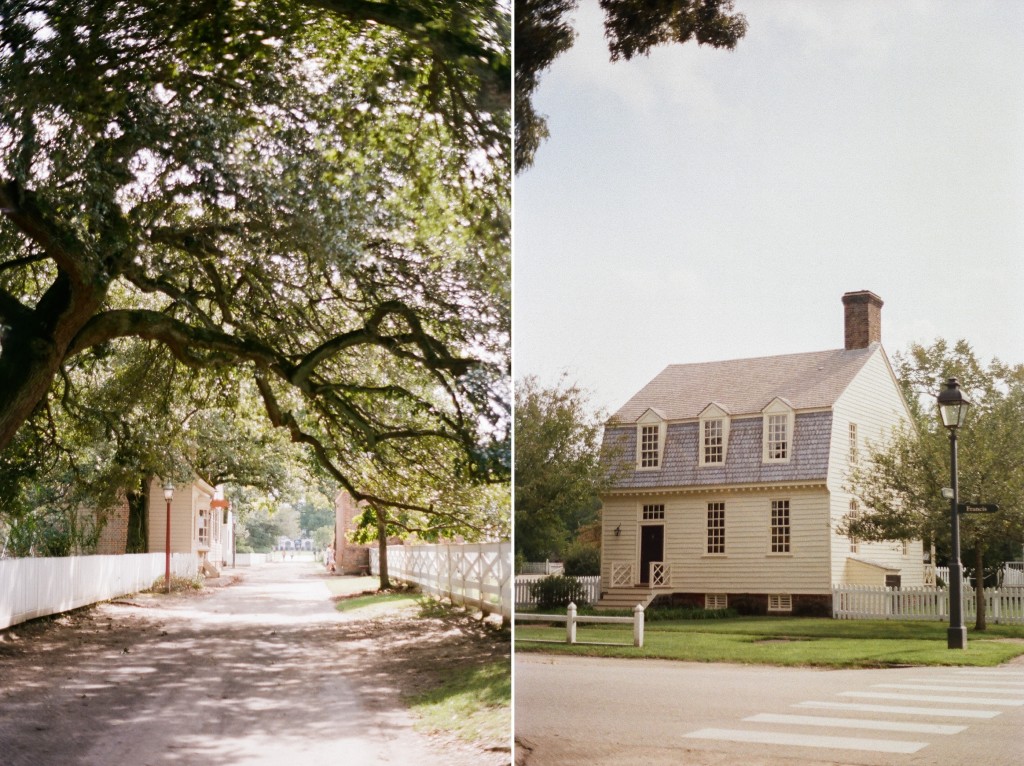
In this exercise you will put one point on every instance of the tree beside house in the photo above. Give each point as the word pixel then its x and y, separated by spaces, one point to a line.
pixel 731 482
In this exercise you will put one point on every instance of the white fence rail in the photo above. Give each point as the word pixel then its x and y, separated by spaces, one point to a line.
pixel 478 574
pixel 591 588
pixel 852 602
pixel 36 587
pixel 571 619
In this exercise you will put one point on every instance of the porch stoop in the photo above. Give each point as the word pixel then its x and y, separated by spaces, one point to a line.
pixel 626 598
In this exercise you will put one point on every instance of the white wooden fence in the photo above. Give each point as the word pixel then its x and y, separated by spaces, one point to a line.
pixel 542 567
pixel 852 602
pixel 571 619
pixel 477 574
pixel 36 587
pixel 591 589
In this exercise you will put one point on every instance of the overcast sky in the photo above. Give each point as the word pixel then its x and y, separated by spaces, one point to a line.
pixel 702 205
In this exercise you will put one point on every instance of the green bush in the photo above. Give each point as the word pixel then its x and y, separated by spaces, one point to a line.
pixel 558 590
pixel 582 560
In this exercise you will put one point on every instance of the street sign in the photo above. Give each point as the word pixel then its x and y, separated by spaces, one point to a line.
pixel 976 508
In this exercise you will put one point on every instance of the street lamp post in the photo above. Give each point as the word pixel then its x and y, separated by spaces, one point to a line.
pixel 168 496
pixel 953 407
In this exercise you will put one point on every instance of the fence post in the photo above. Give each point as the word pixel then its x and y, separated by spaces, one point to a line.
pixel 570 624
pixel 638 625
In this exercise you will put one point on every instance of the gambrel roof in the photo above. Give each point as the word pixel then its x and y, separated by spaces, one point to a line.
pixel 745 386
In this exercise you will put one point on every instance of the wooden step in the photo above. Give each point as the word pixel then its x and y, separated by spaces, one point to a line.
pixel 625 598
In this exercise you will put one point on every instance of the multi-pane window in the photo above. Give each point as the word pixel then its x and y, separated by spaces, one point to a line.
pixel 780 526
pixel 778 437
pixel 714 441
pixel 204 530
pixel 653 512
pixel 854 448
pixel 649 446
pixel 854 514
pixel 716 527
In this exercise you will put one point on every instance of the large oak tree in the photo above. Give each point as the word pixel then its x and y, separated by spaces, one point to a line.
pixel 312 196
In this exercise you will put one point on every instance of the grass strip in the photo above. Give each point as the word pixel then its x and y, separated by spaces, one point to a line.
pixel 790 642
pixel 472 703
pixel 394 600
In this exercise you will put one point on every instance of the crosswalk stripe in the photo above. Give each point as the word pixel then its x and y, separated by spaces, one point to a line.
pixel 933 698
pixel 855 723
pixel 990 672
pixel 808 740
pixel 968 689
pixel 937 712
pixel 962 680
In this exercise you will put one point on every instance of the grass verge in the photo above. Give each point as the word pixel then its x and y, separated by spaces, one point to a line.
pixel 378 600
pixel 472 703
pixel 782 641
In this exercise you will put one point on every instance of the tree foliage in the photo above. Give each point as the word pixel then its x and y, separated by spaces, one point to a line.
pixel 558 473
pixel 300 206
pixel 632 27
pixel 901 484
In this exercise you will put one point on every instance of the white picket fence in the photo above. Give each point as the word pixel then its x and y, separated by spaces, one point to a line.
pixel 472 574
pixel 853 602
pixel 591 587
pixel 36 587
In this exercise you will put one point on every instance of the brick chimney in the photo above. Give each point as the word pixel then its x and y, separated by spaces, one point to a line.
pixel 863 315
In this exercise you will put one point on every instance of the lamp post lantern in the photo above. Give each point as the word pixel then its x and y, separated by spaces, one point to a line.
pixel 168 496
pixel 953 406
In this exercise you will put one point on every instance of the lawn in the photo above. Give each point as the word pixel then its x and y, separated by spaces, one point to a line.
pixel 473 703
pixel 786 641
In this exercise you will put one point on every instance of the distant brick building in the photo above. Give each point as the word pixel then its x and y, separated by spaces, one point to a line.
pixel 349 558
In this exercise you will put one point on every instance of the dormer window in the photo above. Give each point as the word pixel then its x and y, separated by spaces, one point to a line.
pixel 650 447
pixel 777 431
pixel 650 441
pixel 714 435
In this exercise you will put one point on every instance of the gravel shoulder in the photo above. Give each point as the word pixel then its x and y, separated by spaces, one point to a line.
pixel 261 670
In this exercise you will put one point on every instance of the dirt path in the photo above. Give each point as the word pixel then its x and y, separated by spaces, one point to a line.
pixel 263 671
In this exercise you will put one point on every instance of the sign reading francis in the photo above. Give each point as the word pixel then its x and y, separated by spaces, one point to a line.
pixel 976 507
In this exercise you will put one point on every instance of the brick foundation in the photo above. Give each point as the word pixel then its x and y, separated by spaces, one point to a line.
pixel 750 604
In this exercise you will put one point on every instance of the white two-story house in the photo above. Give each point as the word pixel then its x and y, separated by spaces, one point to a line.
pixel 732 479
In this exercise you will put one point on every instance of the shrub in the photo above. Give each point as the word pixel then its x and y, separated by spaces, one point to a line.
pixel 582 560
pixel 558 590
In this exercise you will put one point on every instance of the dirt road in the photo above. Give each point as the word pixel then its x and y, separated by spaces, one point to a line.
pixel 262 671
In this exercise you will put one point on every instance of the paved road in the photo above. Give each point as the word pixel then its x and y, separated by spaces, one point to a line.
pixel 574 710
pixel 250 674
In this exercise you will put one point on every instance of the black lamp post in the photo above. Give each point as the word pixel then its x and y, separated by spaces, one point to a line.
pixel 168 496
pixel 953 407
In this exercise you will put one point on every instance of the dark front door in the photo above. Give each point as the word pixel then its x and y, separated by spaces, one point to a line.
pixel 652 548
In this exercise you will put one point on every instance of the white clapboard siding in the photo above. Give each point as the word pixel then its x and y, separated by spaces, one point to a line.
pixel 472 574
pixel 37 587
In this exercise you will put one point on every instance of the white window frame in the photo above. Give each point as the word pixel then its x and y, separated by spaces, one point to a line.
pixel 780 602
pixel 714 601
pixel 711 415
pixel 854 445
pixel 715 531
pixel 647 425
pixel 854 513
pixel 652 512
pixel 777 413
pixel 781 542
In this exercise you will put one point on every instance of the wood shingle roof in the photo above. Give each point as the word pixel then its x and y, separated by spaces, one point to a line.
pixel 745 386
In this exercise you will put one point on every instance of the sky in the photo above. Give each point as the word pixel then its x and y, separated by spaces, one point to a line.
pixel 700 205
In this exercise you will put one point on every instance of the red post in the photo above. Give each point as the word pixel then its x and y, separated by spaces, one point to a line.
pixel 167 546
